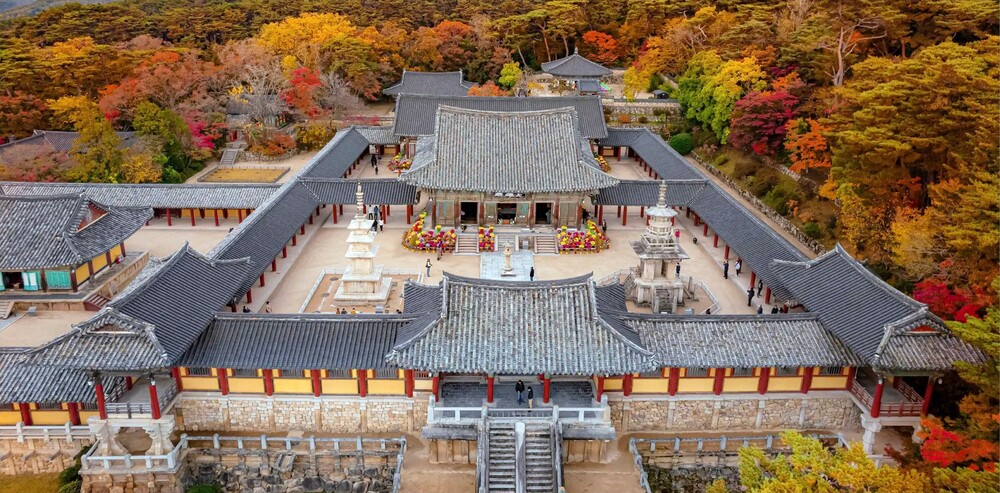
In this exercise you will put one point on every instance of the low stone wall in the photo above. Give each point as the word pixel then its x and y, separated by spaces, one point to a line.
pixel 281 414
pixel 835 411
pixel 37 456
pixel 132 482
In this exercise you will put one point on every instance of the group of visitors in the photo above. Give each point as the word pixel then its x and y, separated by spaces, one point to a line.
pixel 521 394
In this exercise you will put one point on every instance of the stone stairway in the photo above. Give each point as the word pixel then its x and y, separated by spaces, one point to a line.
pixel 6 307
pixel 467 244
pixel 539 465
pixel 546 245
pixel 503 238
pixel 500 469
pixel 229 157
pixel 95 302
pixel 538 474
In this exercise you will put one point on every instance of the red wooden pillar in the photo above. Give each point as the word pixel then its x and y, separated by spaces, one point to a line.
pixel 154 398
pixel 175 373
pixel 102 410
pixel 765 377
pixel 274 265
pixel 851 372
pixel 363 383
pixel 704 231
pixel 408 375
pixel 720 376
pixel 128 383
pixel 249 296
pixel 877 399
pixel 239 215
pixel 341 207
pixel 316 383
pixel 627 384
pixel 302 229
pixel 726 255
pixel 223 380
pixel 436 387
pixel 284 252
pixel 295 240
pixel 262 280
pixel 269 382
pixel 697 220
pixel 489 389
pixel 687 212
pixel 600 388
pixel 546 389
pixel 767 294
pixel 169 219
pixel 409 212
pixel 25 413
pixel 753 278
pixel 216 214
pixel 334 208
pixel 673 377
pixel 74 413
pixel 927 396
pixel 807 379
pixel 192 217
pixel 600 214
pixel 642 211
pixel 310 220
pixel 624 215
pixel 715 241
pixel 619 211
pixel 122 244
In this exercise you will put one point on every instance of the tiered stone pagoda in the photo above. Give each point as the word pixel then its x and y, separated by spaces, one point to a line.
pixel 362 281
pixel 657 283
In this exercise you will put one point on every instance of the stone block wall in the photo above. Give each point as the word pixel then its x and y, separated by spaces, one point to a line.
pixel 37 456
pixel 277 414
pixel 341 417
pixel 137 482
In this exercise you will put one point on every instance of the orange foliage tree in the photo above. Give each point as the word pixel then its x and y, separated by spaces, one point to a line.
pixel 487 89
pixel 807 147
pixel 603 47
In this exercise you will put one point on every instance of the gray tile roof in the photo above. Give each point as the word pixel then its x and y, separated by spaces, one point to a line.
pixel 160 196
pixel 739 341
pixel 22 382
pixel 378 135
pixel 421 298
pixel 575 65
pixel 871 317
pixel 150 324
pixel 589 85
pixel 54 141
pixel 378 191
pixel 646 192
pixel 332 161
pixel 49 233
pixel 295 341
pixel 517 328
pixel 416 114
pixel 621 137
pixel 521 152
pixel 664 160
pixel 433 83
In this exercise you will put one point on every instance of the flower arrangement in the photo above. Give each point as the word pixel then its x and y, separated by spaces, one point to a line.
pixel 487 239
pixel 590 240
pixel 398 164
pixel 420 240
pixel 603 162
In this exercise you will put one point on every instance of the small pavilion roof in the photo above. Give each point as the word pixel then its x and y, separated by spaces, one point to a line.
pixel 506 152
pixel 378 135
pixel 575 65
pixel 23 382
pixel 518 327
pixel 434 83
pixel 416 115
pixel 645 192
pixel 61 230
pixel 159 196
pixel 46 141
pixel 882 325
pixel 153 321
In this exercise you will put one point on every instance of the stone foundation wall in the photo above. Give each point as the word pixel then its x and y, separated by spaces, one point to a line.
pixel 37 456
pixel 137 482
pixel 330 415
pixel 729 413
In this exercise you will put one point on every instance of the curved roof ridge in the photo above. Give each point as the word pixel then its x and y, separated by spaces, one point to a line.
pixel 476 281
pixel 506 114
pixel 314 316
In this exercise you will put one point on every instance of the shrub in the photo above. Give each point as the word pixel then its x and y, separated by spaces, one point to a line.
pixel 780 195
pixel 744 168
pixel 204 488
pixel 678 126
pixel 171 175
pixel 643 119
pixel 278 144
pixel 762 181
pixel 704 138
pixel 720 160
pixel 624 119
pixel 659 112
pixel 812 230
pixel 682 143
pixel 607 110
pixel 70 474
pixel 655 82
pixel 71 487
pixel 315 134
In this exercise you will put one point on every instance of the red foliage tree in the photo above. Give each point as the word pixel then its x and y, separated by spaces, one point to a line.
pixel 20 113
pixel 487 89
pixel 951 449
pixel 758 122
pixel 602 47
pixel 302 94
pixel 949 302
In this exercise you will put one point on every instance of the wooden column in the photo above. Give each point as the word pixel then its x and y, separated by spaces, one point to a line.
pixel 175 373
pixel 262 280
pixel 269 382
pixel 489 389
pixel 169 219
pixel 877 399
pixel 408 376
pixel 363 383
pixel 600 388
pixel 74 413
pixel 546 389
pixel 284 252
pixel 302 229
pixel 317 384
pixel 927 396
pixel 239 215
pixel 216 214
pixel 715 241
pixel 409 212
pixel 765 377
pixel 807 379
pixel 154 398
pixel 250 296
pixel 102 410
pixel 642 211
pixel 720 376
pixel 753 279
pixel 767 294
pixel 627 384
pixel 122 244
pixel 600 215
pixel 128 383
pixel 25 413
pixel 624 215
pixel 72 281
pixel 704 231
pixel 436 387
pixel 274 265
pixel 674 376
pixel 192 217
pixel 295 240
pixel 334 208
pixel 223 380
pixel 619 214
pixel 726 255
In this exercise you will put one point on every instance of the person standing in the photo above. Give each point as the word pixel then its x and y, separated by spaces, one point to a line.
pixel 374 160
pixel 531 273
pixel 678 270
pixel 760 309
pixel 428 267
pixel 725 270
pixel 739 267
pixel 246 309
pixel 604 226
pixel 440 250
pixel 749 291
pixel 267 306
pixel 519 388
pixel 376 169
pixel 760 287
pixel 531 397
pixel 381 225
pixel 774 309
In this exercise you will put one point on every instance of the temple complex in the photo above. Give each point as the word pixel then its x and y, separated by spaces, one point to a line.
pixel 202 344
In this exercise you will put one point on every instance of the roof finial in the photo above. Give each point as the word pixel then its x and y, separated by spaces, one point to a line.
pixel 576 50
pixel 662 200
pixel 360 196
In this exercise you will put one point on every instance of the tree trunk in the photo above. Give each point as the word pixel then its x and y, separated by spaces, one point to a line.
pixel 548 54
pixel 566 44
pixel 521 54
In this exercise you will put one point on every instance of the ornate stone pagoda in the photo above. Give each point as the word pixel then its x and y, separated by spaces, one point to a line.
pixel 362 281
pixel 657 283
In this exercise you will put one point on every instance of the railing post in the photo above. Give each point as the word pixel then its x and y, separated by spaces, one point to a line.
pixel 215 441
pixel 555 413
pixel 263 442
pixel 430 410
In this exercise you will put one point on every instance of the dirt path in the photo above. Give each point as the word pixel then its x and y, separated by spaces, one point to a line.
pixel 753 210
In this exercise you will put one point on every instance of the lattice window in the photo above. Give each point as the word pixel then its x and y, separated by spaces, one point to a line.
pixel 237 372
pixel 199 372
pixel 696 372
pixel 338 374
pixel 831 370
pixel 49 406
pixel 387 373
pixel 787 371
pixel 742 372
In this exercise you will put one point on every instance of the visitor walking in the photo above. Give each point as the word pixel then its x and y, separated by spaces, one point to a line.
pixel 531 274
pixel 381 225
pixel 739 267
pixel 246 309
pixel 725 270
pixel 519 388
pixel 531 397
pixel 376 169
pixel 428 266
pixel 376 212
pixel 267 306
pixel 760 309
pixel 760 287
pixel 374 160
pixel 440 250
pixel 749 291
pixel 604 226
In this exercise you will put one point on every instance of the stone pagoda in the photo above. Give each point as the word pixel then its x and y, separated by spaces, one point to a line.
pixel 657 284
pixel 362 280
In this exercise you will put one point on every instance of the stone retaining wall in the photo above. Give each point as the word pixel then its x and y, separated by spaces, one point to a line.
pixel 279 414
pixel 37 456
pixel 733 414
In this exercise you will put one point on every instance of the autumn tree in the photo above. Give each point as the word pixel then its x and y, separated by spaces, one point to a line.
pixel 487 89
pixel 759 122
pixel 806 145
pixel 601 47
pixel 303 92
pixel 709 88
pixel 511 75
pixel 20 114
pixel 26 162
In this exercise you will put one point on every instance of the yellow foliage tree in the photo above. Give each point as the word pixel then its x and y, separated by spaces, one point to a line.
pixel 305 35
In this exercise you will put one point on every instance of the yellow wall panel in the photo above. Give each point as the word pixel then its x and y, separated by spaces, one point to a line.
pixel 246 385
pixel 423 384
pixel 116 251
pixel 85 415
pixel 9 417
pixel 784 384
pixel 829 382
pixel 82 273
pixel 649 385
pixel 50 418
pixel 200 383
pixel 387 387
pixel 739 384
pixel 100 262
pixel 613 384
pixel 293 386
pixel 340 386
pixel 695 385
